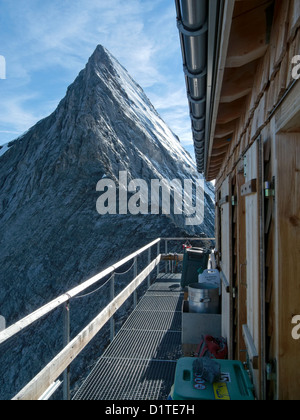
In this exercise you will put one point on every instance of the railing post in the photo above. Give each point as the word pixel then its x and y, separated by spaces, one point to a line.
pixel 112 296
pixel 135 276
pixel 66 341
pixel 149 262
pixel 158 252
pixel 166 252
pixel 2 323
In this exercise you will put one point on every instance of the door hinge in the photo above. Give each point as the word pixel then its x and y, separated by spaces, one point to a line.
pixel 271 371
pixel 270 188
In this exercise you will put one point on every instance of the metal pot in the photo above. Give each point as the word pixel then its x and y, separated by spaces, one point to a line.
pixel 204 298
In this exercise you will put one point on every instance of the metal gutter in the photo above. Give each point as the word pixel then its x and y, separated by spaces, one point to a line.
pixel 198 24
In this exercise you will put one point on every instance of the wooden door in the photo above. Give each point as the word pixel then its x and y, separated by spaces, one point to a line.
pixel 239 265
pixel 252 330
pixel 287 263
pixel 226 263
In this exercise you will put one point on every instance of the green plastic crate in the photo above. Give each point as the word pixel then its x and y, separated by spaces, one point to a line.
pixel 235 383
pixel 195 261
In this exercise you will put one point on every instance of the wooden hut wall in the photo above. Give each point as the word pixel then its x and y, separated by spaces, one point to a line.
pixel 259 228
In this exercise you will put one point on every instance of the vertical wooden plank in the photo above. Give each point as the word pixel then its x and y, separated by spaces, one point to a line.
pixel 252 257
pixel 218 231
pixel 241 267
pixel 270 297
pixel 287 268
pixel 226 265
pixel 294 18
pixel 252 235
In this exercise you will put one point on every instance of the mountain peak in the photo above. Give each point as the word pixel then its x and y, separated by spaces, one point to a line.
pixel 100 59
pixel 100 54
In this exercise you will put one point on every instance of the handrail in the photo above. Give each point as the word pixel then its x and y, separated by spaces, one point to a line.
pixel 188 239
pixel 57 366
pixel 44 380
pixel 49 307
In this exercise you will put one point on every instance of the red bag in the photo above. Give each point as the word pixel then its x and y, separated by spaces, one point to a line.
pixel 213 347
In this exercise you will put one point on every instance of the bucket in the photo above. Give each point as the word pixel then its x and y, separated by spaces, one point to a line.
pixel 212 277
pixel 193 260
pixel 204 298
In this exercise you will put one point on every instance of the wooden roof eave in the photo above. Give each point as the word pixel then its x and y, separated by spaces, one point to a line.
pixel 243 43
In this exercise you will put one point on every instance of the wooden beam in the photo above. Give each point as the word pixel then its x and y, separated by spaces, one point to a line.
pixel 248 38
pixel 54 369
pixel 228 113
pixel 249 188
pixel 213 175
pixel 232 96
pixel 216 166
pixel 238 82
pixel 219 152
pixel 216 161
pixel 224 42
pixel 221 143
pixel 225 131
pixel 243 6
pixel 288 115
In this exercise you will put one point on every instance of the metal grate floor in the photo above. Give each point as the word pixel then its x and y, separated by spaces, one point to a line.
pixel 153 321
pixel 140 363
pixel 119 379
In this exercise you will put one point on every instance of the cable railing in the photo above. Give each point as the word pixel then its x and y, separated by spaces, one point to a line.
pixel 46 382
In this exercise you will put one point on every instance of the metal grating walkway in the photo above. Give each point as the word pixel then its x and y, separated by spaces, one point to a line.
pixel 140 363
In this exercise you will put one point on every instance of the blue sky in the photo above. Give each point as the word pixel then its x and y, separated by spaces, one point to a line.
pixel 47 42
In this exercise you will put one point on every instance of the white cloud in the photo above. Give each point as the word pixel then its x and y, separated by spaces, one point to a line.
pixel 13 112
pixel 16 117
pixel 8 132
